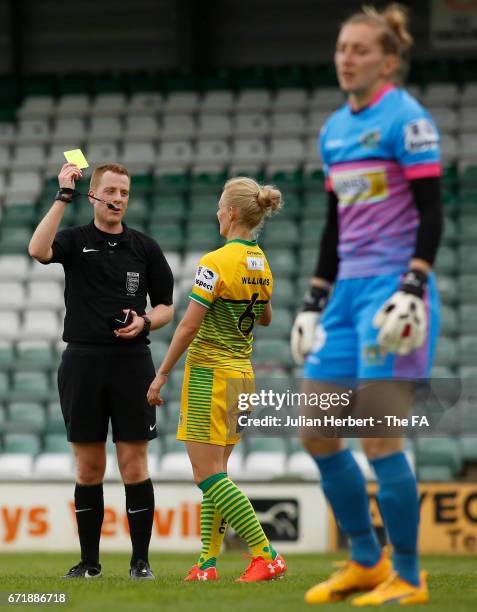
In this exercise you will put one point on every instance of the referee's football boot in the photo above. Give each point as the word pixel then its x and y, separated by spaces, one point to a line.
pixel 140 570
pixel 84 570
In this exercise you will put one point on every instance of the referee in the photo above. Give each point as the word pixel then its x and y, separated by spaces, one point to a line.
pixel 107 368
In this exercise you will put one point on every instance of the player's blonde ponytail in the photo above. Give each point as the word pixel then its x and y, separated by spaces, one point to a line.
pixel 395 38
pixel 255 202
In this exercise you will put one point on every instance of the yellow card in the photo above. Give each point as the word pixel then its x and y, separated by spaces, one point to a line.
pixel 75 156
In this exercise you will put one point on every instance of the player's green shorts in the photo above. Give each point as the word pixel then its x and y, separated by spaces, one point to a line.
pixel 209 404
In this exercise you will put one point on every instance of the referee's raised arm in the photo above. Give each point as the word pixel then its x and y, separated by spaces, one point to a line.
pixel 44 234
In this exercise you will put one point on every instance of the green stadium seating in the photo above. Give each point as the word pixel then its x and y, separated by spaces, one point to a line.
pixel 208 182
pixel 438 453
pixel 284 294
pixel 158 350
pixel 265 444
pixel 203 236
pixel 446 352
pixel 468 230
pixel 25 417
pixel 468 288
pixel 6 354
pixel 14 240
pixel 38 355
pixel 18 215
pixel 141 185
pixel 55 422
pixel 448 291
pixel 21 443
pixel 169 236
pixel 468 350
pixel 310 234
pixel 467 259
pixel 308 259
pixel 68 216
pixel 175 183
pixel 448 320
pixel 273 352
pixel 292 206
pixel 468 318
pixel 202 207
pixel 138 210
pixel 468 448
pixel 280 327
pixel 281 234
pixel 29 386
pixel 446 262
pixel 450 236
pixel 56 443
pixel 167 208
pixel 283 262
pixel 4 385
pixel 286 179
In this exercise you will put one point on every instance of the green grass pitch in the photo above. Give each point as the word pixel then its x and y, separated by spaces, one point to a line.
pixel 452 580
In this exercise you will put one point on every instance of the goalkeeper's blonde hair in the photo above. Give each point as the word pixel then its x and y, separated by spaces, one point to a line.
pixel 254 202
pixel 394 35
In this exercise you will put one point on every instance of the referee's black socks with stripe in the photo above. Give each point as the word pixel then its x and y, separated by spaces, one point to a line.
pixel 89 509
pixel 140 511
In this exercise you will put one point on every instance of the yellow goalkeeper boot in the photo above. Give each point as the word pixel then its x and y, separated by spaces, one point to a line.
pixel 395 590
pixel 349 579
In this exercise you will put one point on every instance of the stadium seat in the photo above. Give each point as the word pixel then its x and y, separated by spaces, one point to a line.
pixel 468 288
pixel 33 131
pixel 286 151
pixel 446 352
pixel 6 354
pixel 144 103
pixel 108 104
pixel 23 186
pixel 7 133
pixel 283 262
pixel 284 294
pixel 138 157
pixel 468 448
pixel 434 453
pixel 44 294
pixel 449 321
pixel 52 466
pixel 175 155
pixel 28 157
pixel 174 463
pixel 181 102
pixel 290 100
pixel 68 132
pixel 73 105
pixel 273 352
pixel 203 236
pixel 253 100
pixel 467 319
pixel 21 443
pixel 265 460
pixel 14 240
pixel 288 125
pixel 51 272
pixel 12 296
pixel 14 267
pixel 18 215
pixel 54 419
pixel 212 152
pixel 446 262
pixel 56 443
pixel 9 325
pixel 468 349
pixel 29 386
pixel 167 208
pixel 101 153
pixel 140 128
pixel 36 107
pixel 301 465
pixel 104 129
pixel 40 324
pixel 25 417
pixel 447 289
pixel 217 101
pixel 15 466
pixel 281 234
pixel 326 99
pixel 214 126
pixel 34 355
pixel 248 151
pixel 176 127
pixel 168 236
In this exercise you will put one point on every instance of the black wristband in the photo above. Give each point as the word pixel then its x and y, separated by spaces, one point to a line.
pixel 65 194
pixel 414 282
pixel 147 325
pixel 316 299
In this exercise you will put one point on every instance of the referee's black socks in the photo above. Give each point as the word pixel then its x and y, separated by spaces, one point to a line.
pixel 140 511
pixel 89 509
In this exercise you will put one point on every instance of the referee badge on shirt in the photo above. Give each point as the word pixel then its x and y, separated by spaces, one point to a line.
pixel 132 282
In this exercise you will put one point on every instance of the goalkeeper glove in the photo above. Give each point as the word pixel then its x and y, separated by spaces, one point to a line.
pixel 304 327
pixel 402 320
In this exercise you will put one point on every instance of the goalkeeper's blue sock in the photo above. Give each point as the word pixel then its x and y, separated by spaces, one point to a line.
pixel 399 506
pixel 345 488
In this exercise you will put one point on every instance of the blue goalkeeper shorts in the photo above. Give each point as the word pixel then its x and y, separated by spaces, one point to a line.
pixel 346 343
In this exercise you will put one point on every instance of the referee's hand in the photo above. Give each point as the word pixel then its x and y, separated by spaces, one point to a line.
pixel 153 397
pixel 133 329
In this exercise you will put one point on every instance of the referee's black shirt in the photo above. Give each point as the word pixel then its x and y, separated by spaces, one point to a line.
pixel 105 273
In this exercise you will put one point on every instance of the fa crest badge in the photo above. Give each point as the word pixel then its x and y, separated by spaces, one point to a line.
pixel 132 281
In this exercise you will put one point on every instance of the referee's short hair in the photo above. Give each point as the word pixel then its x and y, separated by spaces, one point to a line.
pixel 100 170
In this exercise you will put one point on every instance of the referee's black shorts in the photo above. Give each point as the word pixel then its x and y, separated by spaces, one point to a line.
pixel 97 383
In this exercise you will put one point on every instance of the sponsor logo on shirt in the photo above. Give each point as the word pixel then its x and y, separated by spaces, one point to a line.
pixel 255 263
pixel 374 355
pixel 206 279
pixel 420 136
pixel 132 282
pixel 370 140
pixel 364 186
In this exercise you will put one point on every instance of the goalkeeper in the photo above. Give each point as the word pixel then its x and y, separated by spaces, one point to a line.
pixel 380 154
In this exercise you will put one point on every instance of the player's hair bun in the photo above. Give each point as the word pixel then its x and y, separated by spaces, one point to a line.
pixel 269 199
pixel 397 17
